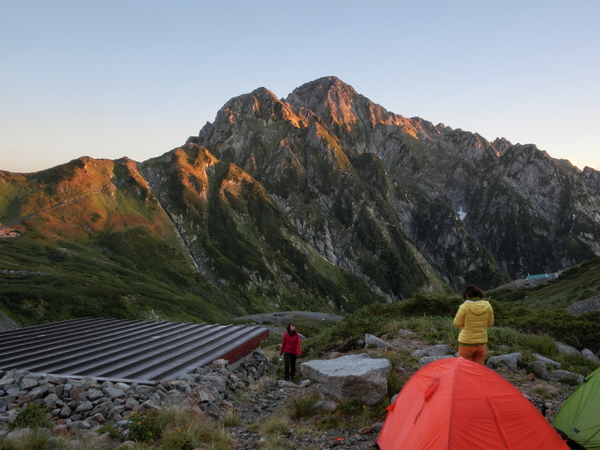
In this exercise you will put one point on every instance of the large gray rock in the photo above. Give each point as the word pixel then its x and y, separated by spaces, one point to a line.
pixel 565 375
pixel 547 361
pixel 374 340
pixel 590 356
pixel 566 349
pixel 436 350
pixel 324 405
pixel 95 394
pixel 113 393
pixel 509 361
pixel 51 401
pixel 350 377
pixel 86 383
pixel 8 378
pixel 143 390
pixel 217 382
pixel 427 359
pixel 85 406
pixel 28 383
pixel 539 369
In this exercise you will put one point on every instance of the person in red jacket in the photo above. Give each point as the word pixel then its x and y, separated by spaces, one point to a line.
pixel 290 348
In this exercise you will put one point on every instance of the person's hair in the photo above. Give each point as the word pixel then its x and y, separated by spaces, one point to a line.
pixel 291 333
pixel 472 291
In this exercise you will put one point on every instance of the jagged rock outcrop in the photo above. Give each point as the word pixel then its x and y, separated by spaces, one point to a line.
pixel 471 208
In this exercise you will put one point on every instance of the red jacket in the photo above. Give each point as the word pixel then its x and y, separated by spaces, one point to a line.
pixel 291 344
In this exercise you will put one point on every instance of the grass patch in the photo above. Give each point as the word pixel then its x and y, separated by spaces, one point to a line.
pixel 277 426
pixel 177 428
pixel 231 419
pixel 35 440
pixel 31 416
pixel 303 407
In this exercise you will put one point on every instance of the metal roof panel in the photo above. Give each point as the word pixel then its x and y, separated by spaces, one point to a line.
pixel 117 349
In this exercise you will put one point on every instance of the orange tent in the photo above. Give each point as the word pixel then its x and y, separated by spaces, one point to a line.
pixel 461 405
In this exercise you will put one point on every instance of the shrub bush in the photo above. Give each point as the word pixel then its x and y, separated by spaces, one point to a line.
pixel 31 416
pixel 144 427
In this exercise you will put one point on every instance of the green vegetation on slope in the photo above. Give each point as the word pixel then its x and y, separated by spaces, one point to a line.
pixel 247 244
pixel 516 327
pixel 575 284
pixel 120 277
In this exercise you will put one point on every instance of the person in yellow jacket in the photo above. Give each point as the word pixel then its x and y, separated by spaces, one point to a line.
pixel 474 317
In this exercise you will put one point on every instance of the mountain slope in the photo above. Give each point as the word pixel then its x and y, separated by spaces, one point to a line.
pixel 533 213
pixel 94 241
pixel 320 201
pixel 242 241
pixel 302 165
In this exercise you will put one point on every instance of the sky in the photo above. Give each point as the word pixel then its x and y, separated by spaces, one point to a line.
pixel 136 78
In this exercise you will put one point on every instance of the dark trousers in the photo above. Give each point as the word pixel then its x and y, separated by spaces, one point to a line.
pixel 289 360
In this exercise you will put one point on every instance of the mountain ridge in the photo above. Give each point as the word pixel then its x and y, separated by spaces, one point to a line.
pixel 321 200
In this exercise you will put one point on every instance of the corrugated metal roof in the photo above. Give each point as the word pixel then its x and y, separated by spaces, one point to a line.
pixel 127 350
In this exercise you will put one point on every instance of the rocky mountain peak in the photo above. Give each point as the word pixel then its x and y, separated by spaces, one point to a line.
pixel 260 106
pixel 329 98
pixel 319 91
pixel 341 107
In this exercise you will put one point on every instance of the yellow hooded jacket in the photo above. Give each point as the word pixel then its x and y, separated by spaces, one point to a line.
pixel 474 317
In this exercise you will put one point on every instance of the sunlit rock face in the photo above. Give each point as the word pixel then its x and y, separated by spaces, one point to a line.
pixel 472 209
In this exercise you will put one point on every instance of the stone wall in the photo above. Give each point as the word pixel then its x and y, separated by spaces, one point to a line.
pixel 81 405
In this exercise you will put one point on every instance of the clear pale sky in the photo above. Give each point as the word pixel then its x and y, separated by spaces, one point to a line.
pixel 136 78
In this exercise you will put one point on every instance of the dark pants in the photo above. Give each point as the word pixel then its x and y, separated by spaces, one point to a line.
pixel 290 365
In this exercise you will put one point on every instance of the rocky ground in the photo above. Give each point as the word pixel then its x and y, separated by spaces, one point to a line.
pixel 272 396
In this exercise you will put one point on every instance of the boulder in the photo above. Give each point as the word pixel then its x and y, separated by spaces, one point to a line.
pixel 217 382
pixel 436 350
pixel 407 333
pixel 143 390
pixel 565 375
pixel 113 393
pixel 509 361
pixel 590 356
pixel 547 361
pixel 350 377
pixel 94 394
pixel 427 359
pixel 28 383
pixel 539 369
pixel 85 406
pixel 86 383
pixel 324 405
pixel 123 386
pixel 7 378
pixel 566 349
pixel 374 340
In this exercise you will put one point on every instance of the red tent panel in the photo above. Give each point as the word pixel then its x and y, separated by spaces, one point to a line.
pixel 461 405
